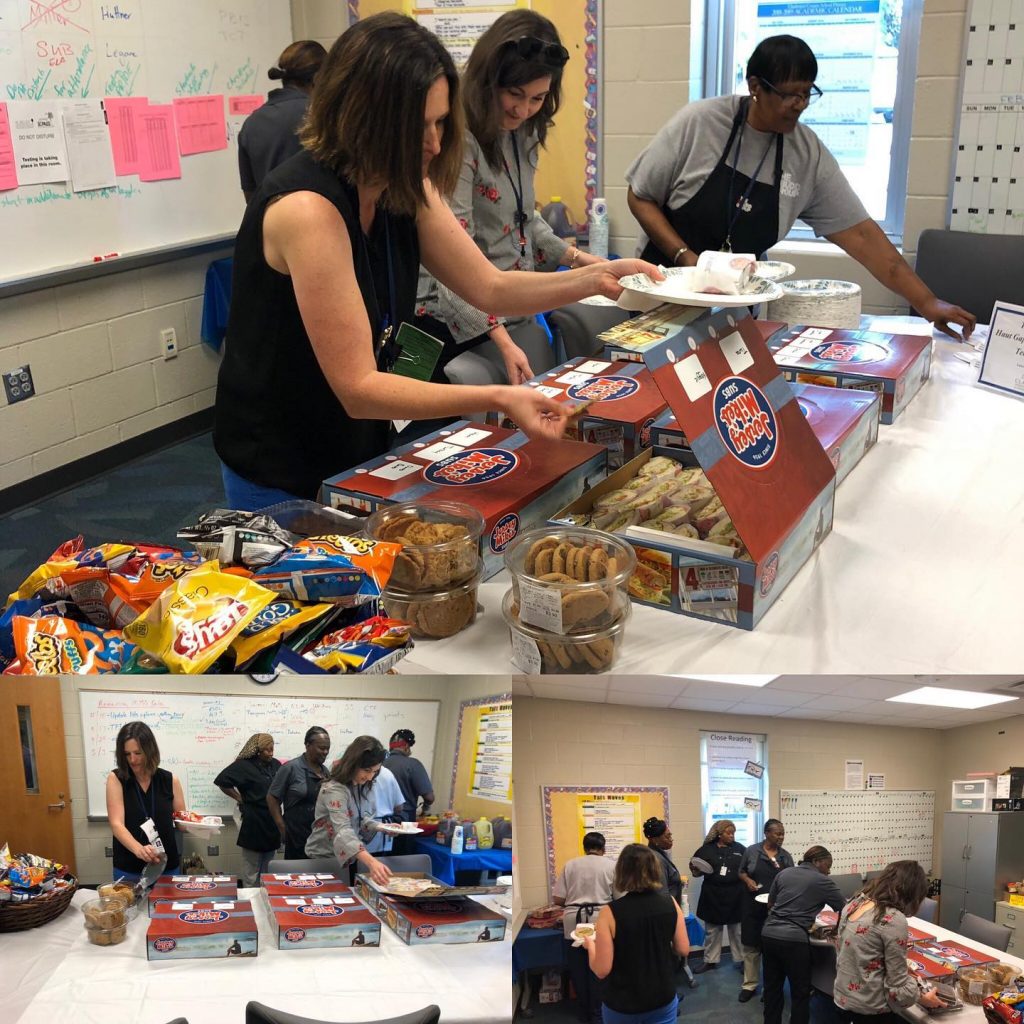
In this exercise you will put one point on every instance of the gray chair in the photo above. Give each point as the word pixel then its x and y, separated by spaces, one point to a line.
pixel 408 862
pixel 578 325
pixel 972 270
pixel 325 864
pixel 871 874
pixel 849 885
pixel 926 912
pixel 991 934
pixel 257 1013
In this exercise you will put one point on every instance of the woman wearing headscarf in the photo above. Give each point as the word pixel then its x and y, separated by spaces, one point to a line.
pixel 246 780
pixel 292 796
pixel 720 906
pixel 761 863
pixel 343 823
pixel 269 135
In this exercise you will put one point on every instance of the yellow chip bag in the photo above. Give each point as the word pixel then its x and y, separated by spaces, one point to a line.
pixel 65 558
pixel 279 619
pixel 194 621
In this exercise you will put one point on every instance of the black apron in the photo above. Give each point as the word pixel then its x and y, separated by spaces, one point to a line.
pixel 298 820
pixel 703 221
pixel 755 914
pixel 673 880
pixel 721 895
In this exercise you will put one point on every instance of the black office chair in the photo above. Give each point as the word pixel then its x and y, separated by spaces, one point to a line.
pixel 317 864
pixel 991 934
pixel 972 270
pixel 257 1013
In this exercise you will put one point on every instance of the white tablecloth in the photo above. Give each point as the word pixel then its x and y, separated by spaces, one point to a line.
pixel 53 975
pixel 921 573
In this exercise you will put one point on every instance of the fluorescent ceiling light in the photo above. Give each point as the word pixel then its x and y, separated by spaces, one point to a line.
pixel 740 680
pixel 936 696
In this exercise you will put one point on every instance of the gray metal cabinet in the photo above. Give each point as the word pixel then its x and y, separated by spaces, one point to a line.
pixel 981 852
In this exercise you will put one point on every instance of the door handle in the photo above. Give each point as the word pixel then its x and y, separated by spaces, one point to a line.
pixel 963 856
pixel 56 807
pixel 970 849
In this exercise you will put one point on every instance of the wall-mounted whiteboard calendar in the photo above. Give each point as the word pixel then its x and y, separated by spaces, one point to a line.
pixel 863 829
pixel 988 176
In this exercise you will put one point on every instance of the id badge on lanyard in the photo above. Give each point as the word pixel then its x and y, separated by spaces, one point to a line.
pixel 149 828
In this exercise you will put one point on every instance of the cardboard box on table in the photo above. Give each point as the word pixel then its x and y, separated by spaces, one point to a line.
pixel 192 931
pixel 759 453
pixel 441 921
pixel 626 402
pixel 895 366
pixel 319 922
pixel 514 482
pixel 844 422
pixel 193 889
pixel 629 340
pixel 299 884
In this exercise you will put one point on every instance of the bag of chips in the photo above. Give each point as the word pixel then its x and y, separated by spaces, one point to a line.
pixel 278 620
pixel 50 645
pixel 374 646
pixel 70 555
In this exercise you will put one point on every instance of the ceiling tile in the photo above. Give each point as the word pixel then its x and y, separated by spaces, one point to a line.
pixel 643 700
pixel 836 702
pixel 558 691
pixel 688 703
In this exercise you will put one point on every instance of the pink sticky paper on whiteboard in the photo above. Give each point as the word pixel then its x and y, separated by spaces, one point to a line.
pixel 8 169
pixel 245 104
pixel 158 150
pixel 124 126
pixel 202 127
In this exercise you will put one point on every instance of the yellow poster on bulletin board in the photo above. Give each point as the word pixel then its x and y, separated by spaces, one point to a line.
pixel 617 812
pixel 491 777
pixel 568 164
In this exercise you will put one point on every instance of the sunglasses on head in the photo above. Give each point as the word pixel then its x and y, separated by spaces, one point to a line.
pixel 529 47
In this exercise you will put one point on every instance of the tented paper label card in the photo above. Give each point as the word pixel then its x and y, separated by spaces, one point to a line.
pixel 1002 365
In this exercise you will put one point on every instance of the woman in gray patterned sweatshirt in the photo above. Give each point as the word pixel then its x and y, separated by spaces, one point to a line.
pixel 871 959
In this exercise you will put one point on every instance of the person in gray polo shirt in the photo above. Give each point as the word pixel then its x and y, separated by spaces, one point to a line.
pixel 413 779
pixel 795 899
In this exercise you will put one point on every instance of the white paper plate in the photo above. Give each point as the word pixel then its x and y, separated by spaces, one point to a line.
pixel 576 939
pixel 397 830
pixel 773 270
pixel 503 880
pixel 639 290
pixel 761 897
pixel 197 828
pixel 701 866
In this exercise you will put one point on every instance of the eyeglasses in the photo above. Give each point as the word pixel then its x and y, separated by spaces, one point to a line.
pixel 793 98
pixel 529 47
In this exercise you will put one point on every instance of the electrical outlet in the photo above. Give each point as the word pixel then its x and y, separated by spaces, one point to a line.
pixel 168 343
pixel 108 851
pixel 213 851
pixel 18 384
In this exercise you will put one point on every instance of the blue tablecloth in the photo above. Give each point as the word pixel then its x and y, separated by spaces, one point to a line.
pixel 216 302
pixel 445 864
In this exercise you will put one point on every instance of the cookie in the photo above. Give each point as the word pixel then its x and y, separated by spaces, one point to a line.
pixel 556 577
pixel 597 567
pixel 582 607
pixel 445 618
pixel 396 527
pixel 559 556
pixel 535 549
pixel 544 562
pixel 561 656
pixel 590 657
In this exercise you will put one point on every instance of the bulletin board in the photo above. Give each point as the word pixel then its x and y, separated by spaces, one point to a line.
pixel 616 811
pixel 482 769
pixel 53 54
pixel 863 829
pixel 988 175
pixel 201 734
pixel 569 163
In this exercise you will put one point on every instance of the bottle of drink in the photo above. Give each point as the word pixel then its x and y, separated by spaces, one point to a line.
pixel 557 215
pixel 598 224
pixel 484 833
pixel 469 837
pixel 457 839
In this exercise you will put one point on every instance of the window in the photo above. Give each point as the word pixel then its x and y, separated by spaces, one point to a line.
pixel 867 54
pixel 728 788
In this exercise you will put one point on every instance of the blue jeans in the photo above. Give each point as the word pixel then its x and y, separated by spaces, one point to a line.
pixel 250 497
pixel 662 1015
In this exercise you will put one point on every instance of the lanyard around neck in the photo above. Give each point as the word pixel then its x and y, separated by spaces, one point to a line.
pixel 388 316
pixel 732 213
pixel 152 799
pixel 518 193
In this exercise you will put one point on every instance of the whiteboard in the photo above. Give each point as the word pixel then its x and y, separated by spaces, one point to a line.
pixel 863 829
pixel 58 50
pixel 200 734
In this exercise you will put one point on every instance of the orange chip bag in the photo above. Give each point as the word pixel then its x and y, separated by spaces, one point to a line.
pixel 51 645
pixel 69 556
pixel 197 617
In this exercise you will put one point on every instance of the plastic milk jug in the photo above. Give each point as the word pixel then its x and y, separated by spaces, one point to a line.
pixel 457 839
pixel 484 833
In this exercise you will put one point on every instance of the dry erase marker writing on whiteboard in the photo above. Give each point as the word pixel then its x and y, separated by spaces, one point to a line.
pixel 109 256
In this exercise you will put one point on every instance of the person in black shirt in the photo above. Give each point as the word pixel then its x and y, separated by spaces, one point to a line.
pixel 720 906
pixel 246 780
pixel 325 271
pixel 638 938
pixel 291 798
pixel 142 798
pixel 269 135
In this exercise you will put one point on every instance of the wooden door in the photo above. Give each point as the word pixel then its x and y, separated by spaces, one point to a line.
pixel 35 799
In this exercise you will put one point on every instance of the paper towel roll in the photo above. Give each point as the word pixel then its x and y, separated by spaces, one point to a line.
pixel 724 273
pixel 817 303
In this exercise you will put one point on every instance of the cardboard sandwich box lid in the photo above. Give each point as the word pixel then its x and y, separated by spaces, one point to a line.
pixel 177 919
pixel 954 953
pixel 745 426
pixel 319 884
pixel 320 911
pixel 847 351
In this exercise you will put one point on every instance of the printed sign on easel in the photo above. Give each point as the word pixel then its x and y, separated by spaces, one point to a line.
pixel 1002 365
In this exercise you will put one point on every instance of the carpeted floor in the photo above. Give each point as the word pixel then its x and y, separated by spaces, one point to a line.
pixel 714 1001
pixel 148 499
